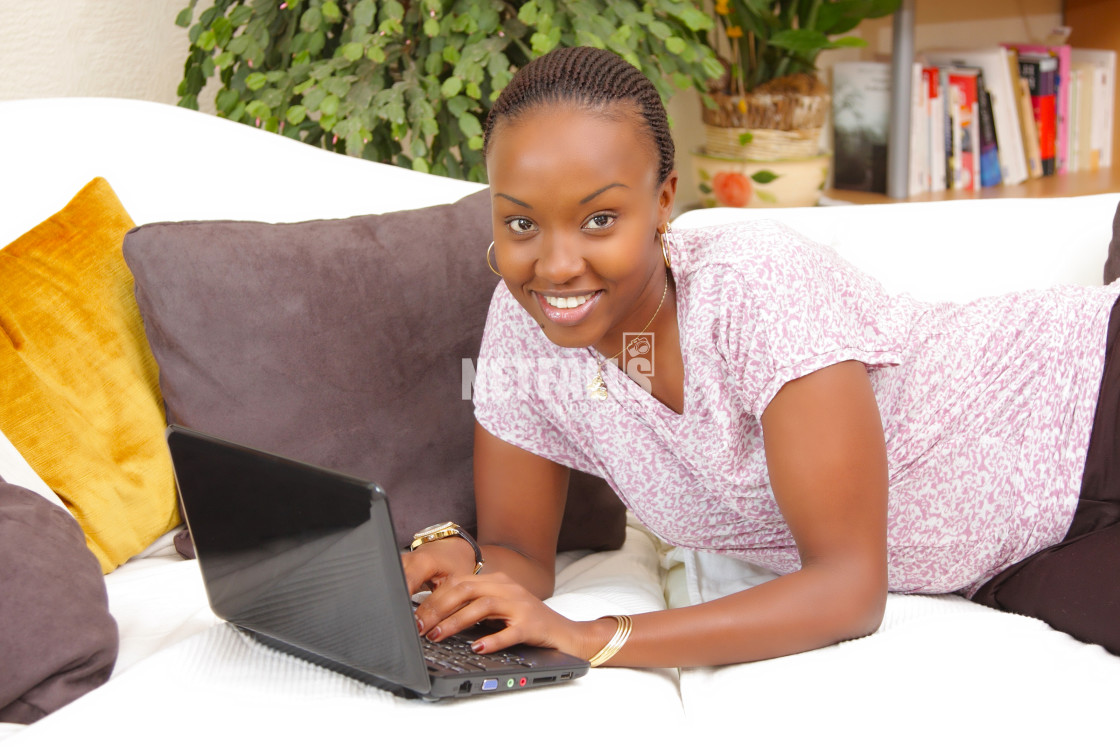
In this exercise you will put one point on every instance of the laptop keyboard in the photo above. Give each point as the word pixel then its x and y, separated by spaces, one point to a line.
pixel 454 655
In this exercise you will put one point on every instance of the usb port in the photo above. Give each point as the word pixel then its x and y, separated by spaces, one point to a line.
pixel 566 676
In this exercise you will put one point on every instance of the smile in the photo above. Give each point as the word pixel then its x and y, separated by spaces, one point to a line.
pixel 569 302
pixel 567 310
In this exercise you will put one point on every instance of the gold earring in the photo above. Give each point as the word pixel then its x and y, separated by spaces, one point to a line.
pixel 488 262
pixel 665 248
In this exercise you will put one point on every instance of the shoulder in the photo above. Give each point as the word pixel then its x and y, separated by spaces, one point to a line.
pixel 744 245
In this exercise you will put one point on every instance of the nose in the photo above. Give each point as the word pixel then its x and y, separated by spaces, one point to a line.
pixel 561 259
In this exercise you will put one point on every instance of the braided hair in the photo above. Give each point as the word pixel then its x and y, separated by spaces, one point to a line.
pixel 591 78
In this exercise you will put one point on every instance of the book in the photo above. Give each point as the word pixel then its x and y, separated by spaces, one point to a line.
pixel 1029 128
pixel 990 174
pixel 964 85
pixel 1040 72
pixel 919 133
pixel 1028 131
pixel 860 125
pixel 1062 55
pixel 1081 117
pixel 1003 86
pixel 950 144
pixel 1104 102
pixel 935 132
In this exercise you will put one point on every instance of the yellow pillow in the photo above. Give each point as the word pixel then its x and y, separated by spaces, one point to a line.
pixel 80 395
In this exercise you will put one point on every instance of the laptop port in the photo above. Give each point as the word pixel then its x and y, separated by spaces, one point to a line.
pixel 543 680
pixel 566 676
pixel 465 688
pixel 490 684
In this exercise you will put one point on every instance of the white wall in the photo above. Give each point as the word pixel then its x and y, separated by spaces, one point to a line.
pixel 119 48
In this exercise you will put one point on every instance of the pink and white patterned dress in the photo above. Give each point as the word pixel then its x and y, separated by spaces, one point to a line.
pixel 986 406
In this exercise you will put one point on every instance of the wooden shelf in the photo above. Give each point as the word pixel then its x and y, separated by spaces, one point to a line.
pixel 1058 185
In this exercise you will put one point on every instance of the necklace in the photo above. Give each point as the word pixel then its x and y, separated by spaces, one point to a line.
pixel 597 388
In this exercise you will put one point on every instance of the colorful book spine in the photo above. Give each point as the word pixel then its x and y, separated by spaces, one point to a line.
pixel 1040 72
pixel 990 175
pixel 966 126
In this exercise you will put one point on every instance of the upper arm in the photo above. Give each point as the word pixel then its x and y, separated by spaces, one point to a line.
pixel 826 456
pixel 519 497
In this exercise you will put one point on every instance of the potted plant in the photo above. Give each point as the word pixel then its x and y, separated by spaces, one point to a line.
pixel 764 115
pixel 410 81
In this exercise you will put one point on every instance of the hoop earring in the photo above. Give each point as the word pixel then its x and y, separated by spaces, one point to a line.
pixel 665 248
pixel 488 262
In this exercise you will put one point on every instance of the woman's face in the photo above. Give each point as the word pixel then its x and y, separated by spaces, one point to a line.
pixel 576 206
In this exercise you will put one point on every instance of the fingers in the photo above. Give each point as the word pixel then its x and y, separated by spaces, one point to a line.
pixel 420 571
pixel 462 602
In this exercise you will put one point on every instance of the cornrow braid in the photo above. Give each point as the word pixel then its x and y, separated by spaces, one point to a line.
pixel 587 77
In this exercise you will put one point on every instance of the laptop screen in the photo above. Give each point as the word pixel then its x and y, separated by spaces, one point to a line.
pixel 299 554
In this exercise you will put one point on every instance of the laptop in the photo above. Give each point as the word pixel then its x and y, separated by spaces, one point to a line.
pixel 304 559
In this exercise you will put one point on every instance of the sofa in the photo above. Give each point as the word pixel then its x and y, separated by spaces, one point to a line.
pixel 250 246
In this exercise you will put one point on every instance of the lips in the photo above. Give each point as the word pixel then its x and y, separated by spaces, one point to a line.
pixel 567 310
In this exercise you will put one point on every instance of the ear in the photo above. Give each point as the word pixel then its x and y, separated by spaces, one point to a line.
pixel 666 195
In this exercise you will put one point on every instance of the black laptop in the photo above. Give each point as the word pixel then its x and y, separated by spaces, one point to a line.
pixel 304 559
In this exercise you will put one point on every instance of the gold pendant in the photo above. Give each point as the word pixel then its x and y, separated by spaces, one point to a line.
pixel 597 389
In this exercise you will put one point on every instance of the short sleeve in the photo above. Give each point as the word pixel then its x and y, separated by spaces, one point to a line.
pixel 520 393
pixel 790 306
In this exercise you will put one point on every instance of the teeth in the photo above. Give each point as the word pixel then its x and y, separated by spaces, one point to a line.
pixel 567 303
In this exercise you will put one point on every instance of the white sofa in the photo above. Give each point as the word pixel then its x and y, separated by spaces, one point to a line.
pixel 940 669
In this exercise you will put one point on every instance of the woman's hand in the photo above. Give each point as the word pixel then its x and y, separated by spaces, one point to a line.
pixel 460 601
pixel 431 564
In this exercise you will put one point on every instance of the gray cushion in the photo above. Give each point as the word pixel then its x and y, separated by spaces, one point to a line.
pixel 340 343
pixel 1112 264
pixel 59 640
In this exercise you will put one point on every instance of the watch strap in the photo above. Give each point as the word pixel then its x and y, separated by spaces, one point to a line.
pixel 445 531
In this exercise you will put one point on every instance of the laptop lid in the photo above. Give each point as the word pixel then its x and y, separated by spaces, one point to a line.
pixel 305 559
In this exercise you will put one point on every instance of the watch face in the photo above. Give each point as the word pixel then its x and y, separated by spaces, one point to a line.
pixel 435 528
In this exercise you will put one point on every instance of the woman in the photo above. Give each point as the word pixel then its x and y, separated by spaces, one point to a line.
pixel 748 392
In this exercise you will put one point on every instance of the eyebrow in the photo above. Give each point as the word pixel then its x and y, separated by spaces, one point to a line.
pixel 514 200
pixel 585 200
pixel 598 192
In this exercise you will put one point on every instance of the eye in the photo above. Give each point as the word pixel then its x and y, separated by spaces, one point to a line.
pixel 521 225
pixel 600 221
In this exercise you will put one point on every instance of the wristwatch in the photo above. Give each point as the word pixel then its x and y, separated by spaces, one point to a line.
pixel 443 531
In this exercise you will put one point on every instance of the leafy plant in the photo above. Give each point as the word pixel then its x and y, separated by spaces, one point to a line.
pixel 410 81
pixel 771 39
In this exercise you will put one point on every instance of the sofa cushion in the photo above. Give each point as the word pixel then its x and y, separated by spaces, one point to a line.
pixel 80 401
pixel 59 640
pixel 1112 264
pixel 345 343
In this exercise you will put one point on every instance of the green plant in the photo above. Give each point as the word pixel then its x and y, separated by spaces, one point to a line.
pixel 771 39
pixel 410 81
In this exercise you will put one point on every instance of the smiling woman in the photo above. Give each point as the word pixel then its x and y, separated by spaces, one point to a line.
pixel 750 393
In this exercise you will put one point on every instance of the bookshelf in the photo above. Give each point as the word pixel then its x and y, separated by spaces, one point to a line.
pixel 1100 24
pixel 1058 185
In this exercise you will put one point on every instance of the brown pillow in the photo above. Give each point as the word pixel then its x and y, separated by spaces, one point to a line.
pixel 59 640
pixel 341 343
pixel 1112 264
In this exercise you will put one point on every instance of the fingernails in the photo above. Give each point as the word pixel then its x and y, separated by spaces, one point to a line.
pixel 477 646
pixel 433 633
pixel 419 625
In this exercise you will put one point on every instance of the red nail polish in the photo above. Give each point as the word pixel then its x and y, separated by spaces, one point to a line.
pixel 477 647
pixel 419 625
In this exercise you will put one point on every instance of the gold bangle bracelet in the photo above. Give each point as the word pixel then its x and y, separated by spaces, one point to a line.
pixel 617 641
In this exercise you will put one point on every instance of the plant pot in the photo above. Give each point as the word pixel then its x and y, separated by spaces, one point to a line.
pixel 783 120
pixel 741 182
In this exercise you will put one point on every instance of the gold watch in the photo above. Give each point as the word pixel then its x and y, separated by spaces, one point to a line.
pixel 443 531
